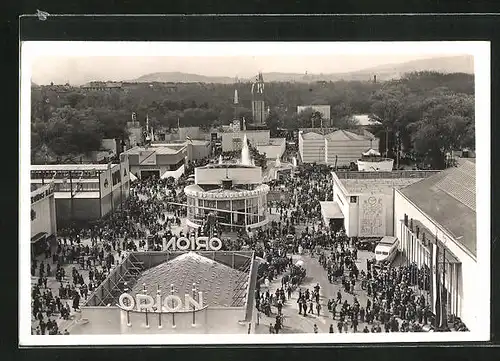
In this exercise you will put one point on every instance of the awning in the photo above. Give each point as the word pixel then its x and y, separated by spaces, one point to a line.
pixel 132 176
pixel 192 224
pixel 331 210
pixel 38 237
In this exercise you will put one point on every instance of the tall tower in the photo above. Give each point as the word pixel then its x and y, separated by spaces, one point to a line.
pixel 236 120
pixel 258 109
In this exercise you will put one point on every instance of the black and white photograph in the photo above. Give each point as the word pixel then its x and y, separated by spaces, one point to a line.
pixel 254 192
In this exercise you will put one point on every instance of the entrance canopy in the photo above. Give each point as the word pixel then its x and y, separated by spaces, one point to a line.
pixel 331 210
pixel 39 236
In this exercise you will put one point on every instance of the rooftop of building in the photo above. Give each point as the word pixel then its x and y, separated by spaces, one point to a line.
pixel 159 150
pixel 226 165
pixel 312 135
pixel 449 198
pixel 378 186
pixel 332 134
pixel 341 135
pixel 385 175
pixel 69 167
pixel 364 120
pixel 222 191
pixel 230 129
pixel 379 182
pixel 218 283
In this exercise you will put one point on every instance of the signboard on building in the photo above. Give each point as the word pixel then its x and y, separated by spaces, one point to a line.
pixel 40 194
pixel 147 157
pixel 194 244
pixel 371 216
pixel 105 182
pixel 171 303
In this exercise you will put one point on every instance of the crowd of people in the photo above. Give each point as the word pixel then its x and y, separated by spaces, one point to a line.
pixel 94 249
pixel 396 300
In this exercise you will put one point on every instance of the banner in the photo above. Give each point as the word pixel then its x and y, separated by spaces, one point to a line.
pixel 147 157
pixel 105 182
pixel 124 169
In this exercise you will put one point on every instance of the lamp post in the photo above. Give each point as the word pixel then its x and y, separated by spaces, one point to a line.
pixel 173 313
pixel 158 293
pixel 194 309
pixel 125 290
pixel 145 292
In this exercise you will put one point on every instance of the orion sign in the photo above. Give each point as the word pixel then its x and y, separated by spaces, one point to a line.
pixel 169 304
pixel 194 244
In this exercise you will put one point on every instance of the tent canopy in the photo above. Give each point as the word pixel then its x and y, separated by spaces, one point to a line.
pixel 331 210
pixel 371 152
pixel 192 224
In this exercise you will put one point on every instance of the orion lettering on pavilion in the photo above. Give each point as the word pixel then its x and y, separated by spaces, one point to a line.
pixel 169 304
pixel 194 244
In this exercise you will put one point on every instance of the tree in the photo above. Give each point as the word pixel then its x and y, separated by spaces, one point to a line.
pixel 274 122
pixel 342 116
pixel 447 124
pixel 388 107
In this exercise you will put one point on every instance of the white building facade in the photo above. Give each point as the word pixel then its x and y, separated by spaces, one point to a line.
pixel 436 216
pixel 366 200
pixel 43 218
pixel 312 148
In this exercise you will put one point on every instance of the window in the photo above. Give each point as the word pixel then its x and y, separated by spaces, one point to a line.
pixel 354 199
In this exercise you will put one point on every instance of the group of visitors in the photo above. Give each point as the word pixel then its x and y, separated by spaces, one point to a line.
pixel 56 292
pixel 84 257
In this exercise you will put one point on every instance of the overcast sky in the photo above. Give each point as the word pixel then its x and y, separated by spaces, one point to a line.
pixel 78 70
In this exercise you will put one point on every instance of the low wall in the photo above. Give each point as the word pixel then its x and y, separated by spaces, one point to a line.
pixel 113 321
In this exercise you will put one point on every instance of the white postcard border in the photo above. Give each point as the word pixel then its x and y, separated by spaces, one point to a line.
pixel 481 53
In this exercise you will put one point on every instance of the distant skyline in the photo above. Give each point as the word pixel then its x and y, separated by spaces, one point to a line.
pixel 78 70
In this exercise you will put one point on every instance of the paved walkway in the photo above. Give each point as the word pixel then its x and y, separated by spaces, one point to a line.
pixel 295 323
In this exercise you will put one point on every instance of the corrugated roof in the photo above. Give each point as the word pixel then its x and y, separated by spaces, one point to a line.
pixel 68 167
pixel 448 198
pixel 341 135
pixel 312 135
pixel 217 281
pixel 157 150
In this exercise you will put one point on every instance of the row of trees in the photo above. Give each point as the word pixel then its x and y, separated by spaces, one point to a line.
pixel 425 113
pixel 426 124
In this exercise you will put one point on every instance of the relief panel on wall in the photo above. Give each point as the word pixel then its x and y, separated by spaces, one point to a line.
pixel 371 216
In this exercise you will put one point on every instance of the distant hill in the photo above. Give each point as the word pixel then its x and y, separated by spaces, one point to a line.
pixel 453 64
pixel 177 77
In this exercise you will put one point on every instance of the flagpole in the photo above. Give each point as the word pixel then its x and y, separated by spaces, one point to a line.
pixel 438 289
pixel 444 318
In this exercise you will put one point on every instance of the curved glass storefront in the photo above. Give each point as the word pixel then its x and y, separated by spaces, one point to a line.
pixel 240 208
